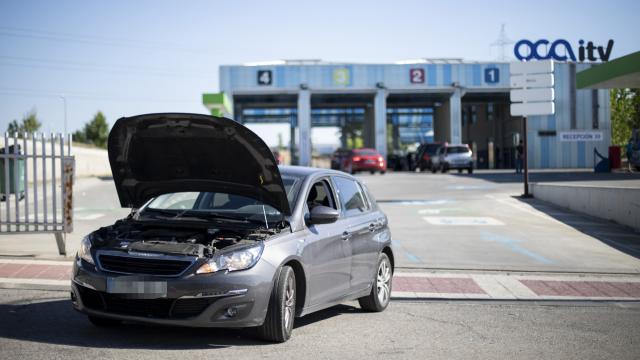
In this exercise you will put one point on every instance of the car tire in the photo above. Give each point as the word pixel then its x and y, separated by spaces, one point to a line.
pixel 444 168
pixel 104 322
pixel 433 169
pixel 459 171
pixel 380 295
pixel 278 324
pixel 470 170
pixel 372 172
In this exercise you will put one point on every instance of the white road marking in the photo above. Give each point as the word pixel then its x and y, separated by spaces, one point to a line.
pixel 492 286
pixel 428 211
pixel 463 220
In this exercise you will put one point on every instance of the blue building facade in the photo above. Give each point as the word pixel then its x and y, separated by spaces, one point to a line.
pixel 420 102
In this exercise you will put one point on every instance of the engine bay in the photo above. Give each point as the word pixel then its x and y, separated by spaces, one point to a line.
pixel 171 239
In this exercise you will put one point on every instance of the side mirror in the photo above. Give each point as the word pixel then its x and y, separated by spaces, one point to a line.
pixel 323 215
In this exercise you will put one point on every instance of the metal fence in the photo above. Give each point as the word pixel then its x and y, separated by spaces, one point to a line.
pixel 36 185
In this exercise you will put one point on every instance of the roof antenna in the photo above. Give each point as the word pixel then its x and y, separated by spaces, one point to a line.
pixel 502 42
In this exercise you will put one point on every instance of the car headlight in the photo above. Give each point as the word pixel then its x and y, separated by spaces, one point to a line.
pixel 232 260
pixel 84 252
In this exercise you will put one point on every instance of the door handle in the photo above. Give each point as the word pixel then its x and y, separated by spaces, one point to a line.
pixel 346 235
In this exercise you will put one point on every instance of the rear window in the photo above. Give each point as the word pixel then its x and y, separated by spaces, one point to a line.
pixel 457 149
pixel 431 148
pixel 366 152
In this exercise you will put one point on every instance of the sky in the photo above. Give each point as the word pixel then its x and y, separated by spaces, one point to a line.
pixel 131 57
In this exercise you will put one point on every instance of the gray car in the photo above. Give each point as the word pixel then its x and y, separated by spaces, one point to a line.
pixel 450 157
pixel 220 236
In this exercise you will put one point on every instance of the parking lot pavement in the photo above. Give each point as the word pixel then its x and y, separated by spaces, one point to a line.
pixel 438 221
pixel 479 222
pixel 41 324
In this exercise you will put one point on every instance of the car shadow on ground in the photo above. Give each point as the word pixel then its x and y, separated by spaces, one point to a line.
pixel 53 321
pixel 562 176
pixel 619 237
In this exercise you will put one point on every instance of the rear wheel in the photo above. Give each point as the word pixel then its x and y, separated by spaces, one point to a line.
pixel 433 169
pixel 382 172
pixel 278 324
pixel 444 168
pixel 103 322
pixel 459 171
pixel 470 170
pixel 380 294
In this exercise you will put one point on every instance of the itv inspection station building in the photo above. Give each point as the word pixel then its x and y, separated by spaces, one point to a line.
pixel 396 105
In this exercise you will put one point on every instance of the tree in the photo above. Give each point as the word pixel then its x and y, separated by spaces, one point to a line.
pixel 28 124
pixel 94 132
pixel 625 114
pixel 13 127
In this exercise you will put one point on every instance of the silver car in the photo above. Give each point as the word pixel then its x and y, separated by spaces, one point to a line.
pixel 220 236
pixel 451 156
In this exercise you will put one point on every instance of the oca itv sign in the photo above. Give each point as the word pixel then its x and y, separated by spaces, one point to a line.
pixel 561 50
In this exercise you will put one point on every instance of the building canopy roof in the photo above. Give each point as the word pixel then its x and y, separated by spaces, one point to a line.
pixel 623 72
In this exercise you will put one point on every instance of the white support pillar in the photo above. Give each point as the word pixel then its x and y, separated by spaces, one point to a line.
pixel 304 127
pixel 455 116
pixel 380 108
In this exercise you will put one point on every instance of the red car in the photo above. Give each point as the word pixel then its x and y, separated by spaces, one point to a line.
pixel 364 160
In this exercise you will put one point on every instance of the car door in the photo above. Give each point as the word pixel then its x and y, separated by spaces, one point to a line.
pixel 360 225
pixel 327 255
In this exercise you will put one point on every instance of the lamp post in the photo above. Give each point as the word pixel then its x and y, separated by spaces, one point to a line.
pixel 64 101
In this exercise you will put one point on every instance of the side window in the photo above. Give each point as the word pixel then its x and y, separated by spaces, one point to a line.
pixel 350 195
pixel 320 194
pixel 367 197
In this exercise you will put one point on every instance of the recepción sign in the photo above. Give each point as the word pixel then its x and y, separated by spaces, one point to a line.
pixel 576 136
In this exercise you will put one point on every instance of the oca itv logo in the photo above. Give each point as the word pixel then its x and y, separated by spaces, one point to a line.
pixel 561 50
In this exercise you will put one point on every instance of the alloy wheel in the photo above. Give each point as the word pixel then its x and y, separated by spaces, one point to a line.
pixel 383 282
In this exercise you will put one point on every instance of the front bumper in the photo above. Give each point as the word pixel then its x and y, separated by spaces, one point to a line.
pixel 192 300
pixel 460 165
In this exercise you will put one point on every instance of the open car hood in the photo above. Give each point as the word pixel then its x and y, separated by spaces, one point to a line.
pixel 155 154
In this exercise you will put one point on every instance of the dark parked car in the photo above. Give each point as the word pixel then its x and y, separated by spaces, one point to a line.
pixel 364 160
pixel 337 158
pixel 425 154
pixel 220 236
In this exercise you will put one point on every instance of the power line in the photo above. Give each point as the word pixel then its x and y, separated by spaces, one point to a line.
pixel 85 96
pixel 95 40
pixel 96 68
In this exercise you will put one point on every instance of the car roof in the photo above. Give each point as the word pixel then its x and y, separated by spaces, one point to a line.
pixel 306 171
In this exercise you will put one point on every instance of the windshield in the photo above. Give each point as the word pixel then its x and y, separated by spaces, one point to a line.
pixel 221 205
pixel 457 149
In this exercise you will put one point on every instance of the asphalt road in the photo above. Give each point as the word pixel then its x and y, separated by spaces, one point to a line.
pixel 42 325
pixel 479 222
pixel 438 221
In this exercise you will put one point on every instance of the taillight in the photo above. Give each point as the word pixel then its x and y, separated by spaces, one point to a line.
pixel 356 158
pixel 425 157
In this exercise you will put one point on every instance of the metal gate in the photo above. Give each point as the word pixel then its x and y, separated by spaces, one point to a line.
pixel 36 185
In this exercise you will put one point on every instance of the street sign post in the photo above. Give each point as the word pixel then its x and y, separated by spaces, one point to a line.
pixel 531 94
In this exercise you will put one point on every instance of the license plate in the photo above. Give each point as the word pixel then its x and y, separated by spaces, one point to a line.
pixel 136 287
pixel 370 161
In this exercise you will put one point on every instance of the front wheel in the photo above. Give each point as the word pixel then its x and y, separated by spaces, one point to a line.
pixel 278 324
pixel 470 170
pixel 378 298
